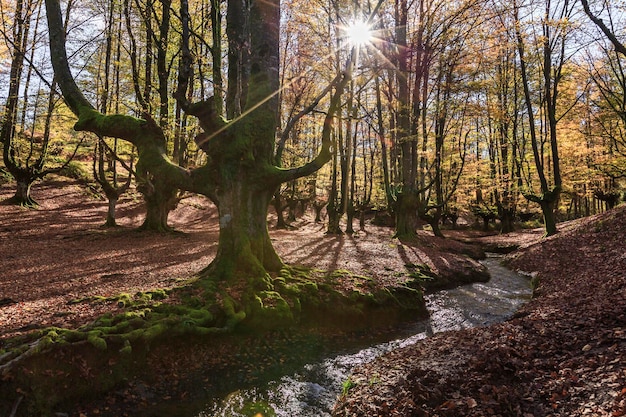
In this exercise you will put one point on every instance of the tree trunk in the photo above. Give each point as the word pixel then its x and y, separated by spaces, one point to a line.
pixel 157 212
pixel 436 229
pixel 292 204
pixel 549 216
pixel 486 223
pixel 383 145
pixel 318 207
pixel 350 219
pixel 110 221
pixel 407 219
pixel 245 248
pixel 362 218
pixel 278 207
pixel 507 219
pixel 433 221
pixel 22 195
pixel 334 216
pixel 160 200
pixel 333 209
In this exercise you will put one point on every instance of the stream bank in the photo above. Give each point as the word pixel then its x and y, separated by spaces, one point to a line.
pixel 296 373
pixel 312 390
pixel 128 357
pixel 562 354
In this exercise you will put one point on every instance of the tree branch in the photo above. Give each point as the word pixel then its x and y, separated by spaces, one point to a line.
pixel 145 134
pixel 619 47
pixel 73 96
pixel 208 116
pixel 324 154
pixel 284 135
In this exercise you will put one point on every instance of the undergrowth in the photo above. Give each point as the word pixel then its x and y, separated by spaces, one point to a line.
pixel 201 307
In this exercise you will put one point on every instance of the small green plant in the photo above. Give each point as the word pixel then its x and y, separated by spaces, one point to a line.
pixel 347 385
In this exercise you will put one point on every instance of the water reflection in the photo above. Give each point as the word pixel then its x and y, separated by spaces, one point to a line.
pixel 312 391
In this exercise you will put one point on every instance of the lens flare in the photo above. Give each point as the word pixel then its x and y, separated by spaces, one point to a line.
pixel 359 33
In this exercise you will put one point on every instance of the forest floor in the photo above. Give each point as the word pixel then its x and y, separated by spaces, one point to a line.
pixel 60 252
pixel 564 353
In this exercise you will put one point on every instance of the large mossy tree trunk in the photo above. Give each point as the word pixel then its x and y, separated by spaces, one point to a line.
pixel 245 248
pixel 243 164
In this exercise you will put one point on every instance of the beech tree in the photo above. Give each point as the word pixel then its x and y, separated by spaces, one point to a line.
pixel 303 87
pixel 605 126
pixel 607 114
pixel 112 189
pixel 25 174
pixel 497 188
pixel 555 32
pixel 240 175
pixel 338 194
pixel 107 176
pixel 26 150
pixel 160 196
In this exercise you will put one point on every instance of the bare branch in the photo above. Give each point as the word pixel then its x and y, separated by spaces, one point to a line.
pixel 619 47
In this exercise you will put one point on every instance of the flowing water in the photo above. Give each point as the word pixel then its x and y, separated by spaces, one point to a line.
pixel 313 389
pixel 306 376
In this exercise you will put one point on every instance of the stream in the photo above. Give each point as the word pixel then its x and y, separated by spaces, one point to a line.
pixel 310 388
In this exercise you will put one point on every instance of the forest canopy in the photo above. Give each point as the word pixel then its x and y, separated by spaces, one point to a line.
pixel 428 110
